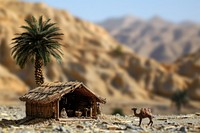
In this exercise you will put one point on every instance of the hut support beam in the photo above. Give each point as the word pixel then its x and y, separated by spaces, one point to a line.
pixel 57 110
pixel 91 112
pixel 95 108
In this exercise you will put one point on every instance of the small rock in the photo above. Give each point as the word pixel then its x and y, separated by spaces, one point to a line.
pixel 162 119
pixel 122 127
pixel 22 126
pixel 198 113
pixel 104 122
pixel 116 123
pixel 133 127
pixel 112 127
pixel 185 116
pixel 136 119
pixel 3 114
pixel 169 127
pixel 15 116
pixel 79 126
pixel 130 126
pixel 118 115
pixel 59 129
pixel 10 107
pixel 183 129
pixel 171 123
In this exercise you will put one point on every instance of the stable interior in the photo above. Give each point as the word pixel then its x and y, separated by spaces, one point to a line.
pixel 78 103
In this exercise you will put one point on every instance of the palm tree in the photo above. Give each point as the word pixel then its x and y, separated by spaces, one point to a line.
pixel 37 43
pixel 180 98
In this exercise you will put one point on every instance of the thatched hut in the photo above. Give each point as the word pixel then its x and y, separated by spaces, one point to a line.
pixel 47 100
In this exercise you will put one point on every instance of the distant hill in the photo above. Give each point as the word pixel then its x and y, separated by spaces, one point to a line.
pixel 155 38
pixel 189 66
pixel 91 56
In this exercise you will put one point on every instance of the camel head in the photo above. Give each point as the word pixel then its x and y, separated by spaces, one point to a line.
pixel 134 109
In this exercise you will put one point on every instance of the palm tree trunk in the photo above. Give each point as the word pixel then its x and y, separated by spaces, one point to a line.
pixel 179 108
pixel 39 79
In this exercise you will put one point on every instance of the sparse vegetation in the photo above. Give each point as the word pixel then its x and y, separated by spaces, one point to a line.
pixel 37 44
pixel 118 51
pixel 180 98
pixel 118 111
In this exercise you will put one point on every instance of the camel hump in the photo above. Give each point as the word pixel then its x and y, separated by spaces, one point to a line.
pixel 145 111
pixel 148 110
pixel 142 111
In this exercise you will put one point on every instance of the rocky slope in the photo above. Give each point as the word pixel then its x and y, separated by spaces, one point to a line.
pixel 10 86
pixel 189 66
pixel 155 38
pixel 91 55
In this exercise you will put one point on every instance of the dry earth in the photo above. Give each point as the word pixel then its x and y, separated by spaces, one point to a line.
pixel 12 120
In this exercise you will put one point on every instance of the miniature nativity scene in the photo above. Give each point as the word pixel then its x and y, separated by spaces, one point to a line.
pixel 50 100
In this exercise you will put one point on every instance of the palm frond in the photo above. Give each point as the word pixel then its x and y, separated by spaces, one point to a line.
pixel 41 23
pixel 39 39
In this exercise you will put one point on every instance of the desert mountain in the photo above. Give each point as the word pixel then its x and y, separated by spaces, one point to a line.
pixel 189 66
pixel 91 55
pixel 155 38
pixel 10 86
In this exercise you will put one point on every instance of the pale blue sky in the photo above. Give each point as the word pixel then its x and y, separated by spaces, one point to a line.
pixel 98 10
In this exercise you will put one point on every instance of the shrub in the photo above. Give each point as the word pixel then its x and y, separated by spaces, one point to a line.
pixel 118 51
pixel 118 111
pixel 180 98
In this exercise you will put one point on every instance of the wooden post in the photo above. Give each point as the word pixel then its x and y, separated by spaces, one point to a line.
pixel 27 107
pixel 95 107
pixel 91 111
pixel 57 110
pixel 91 108
pixel 98 109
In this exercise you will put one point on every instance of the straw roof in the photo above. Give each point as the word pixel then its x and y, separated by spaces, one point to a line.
pixel 49 92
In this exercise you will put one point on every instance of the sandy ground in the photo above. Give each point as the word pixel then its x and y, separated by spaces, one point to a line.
pixel 12 119
pixel 159 106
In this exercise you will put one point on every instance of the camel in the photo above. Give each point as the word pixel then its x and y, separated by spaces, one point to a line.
pixel 144 113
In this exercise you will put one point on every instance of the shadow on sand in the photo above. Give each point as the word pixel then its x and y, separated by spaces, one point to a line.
pixel 4 123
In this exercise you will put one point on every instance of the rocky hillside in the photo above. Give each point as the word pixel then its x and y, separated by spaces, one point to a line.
pixel 10 86
pixel 189 66
pixel 155 38
pixel 91 55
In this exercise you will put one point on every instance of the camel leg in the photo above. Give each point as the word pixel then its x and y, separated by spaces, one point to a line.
pixel 140 121
pixel 150 122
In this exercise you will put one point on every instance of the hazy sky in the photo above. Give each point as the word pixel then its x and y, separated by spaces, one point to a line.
pixel 97 10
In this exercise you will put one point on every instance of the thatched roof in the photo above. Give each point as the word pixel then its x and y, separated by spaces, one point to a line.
pixel 49 92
